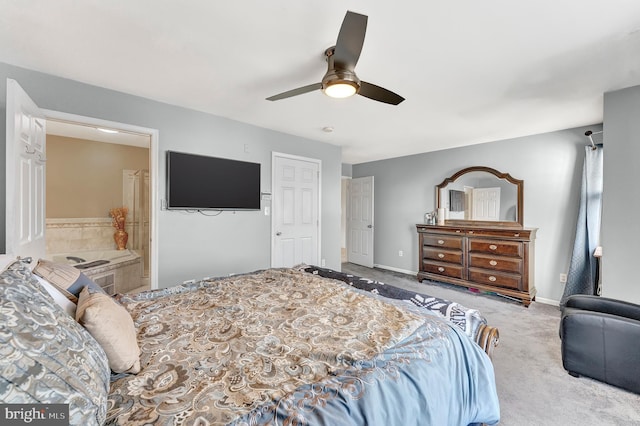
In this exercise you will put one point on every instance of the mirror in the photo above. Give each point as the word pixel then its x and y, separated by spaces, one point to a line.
pixel 482 196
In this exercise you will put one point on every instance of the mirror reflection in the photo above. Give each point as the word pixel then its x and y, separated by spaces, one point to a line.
pixel 481 194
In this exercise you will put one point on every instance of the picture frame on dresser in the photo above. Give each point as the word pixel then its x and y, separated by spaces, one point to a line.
pixel 495 256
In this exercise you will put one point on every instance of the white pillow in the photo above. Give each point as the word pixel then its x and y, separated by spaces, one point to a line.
pixel 67 305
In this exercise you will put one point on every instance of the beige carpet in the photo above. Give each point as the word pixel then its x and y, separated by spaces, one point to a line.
pixel 533 387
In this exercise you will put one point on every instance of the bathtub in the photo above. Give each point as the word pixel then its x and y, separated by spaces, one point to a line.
pixel 116 271
pixel 84 257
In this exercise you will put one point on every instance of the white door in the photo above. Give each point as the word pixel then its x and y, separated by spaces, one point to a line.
pixel 360 221
pixel 486 204
pixel 296 206
pixel 25 202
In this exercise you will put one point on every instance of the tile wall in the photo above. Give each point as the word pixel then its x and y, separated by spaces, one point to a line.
pixel 65 235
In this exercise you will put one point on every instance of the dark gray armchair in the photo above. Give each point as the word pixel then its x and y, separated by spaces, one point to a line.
pixel 601 340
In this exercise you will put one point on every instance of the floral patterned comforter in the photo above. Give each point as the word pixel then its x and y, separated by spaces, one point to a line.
pixel 467 319
pixel 282 346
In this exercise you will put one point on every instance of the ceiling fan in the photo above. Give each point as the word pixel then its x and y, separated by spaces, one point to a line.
pixel 340 80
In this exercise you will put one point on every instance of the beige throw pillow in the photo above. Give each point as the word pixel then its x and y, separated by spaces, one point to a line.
pixel 111 325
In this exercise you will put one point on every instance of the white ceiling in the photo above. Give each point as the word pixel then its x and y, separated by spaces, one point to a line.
pixel 471 71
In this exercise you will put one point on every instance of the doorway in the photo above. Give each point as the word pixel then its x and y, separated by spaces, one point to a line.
pixel 129 153
pixel 359 221
pixel 295 228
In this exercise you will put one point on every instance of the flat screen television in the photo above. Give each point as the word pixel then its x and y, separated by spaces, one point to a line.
pixel 199 182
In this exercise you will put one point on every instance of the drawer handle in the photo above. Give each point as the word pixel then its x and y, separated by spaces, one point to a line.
pixel 441 255
pixel 458 231
pixel 440 241
pixel 492 278
pixel 493 247
pixel 440 269
pixel 471 232
pixel 493 263
pixel 517 234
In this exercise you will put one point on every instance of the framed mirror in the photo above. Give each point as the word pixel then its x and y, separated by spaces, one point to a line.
pixel 482 196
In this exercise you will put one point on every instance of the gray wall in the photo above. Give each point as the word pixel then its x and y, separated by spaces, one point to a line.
pixel 550 165
pixel 347 170
pixel 621 203
pixel 192 245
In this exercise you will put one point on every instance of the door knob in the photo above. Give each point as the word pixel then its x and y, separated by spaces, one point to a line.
pixel 278 234
pixel 369 226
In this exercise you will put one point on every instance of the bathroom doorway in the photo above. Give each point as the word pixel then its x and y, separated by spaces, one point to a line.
pixel 92 168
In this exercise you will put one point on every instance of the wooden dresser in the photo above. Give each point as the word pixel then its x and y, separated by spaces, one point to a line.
pixel 495 259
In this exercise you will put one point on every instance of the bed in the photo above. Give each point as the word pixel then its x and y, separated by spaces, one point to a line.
pixel 279 346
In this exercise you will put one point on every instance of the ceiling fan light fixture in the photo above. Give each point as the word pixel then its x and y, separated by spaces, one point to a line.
pixel 340 80
pixel 340 89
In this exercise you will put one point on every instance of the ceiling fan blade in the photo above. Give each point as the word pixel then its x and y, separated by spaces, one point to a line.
pixel 350 40
pixel 378 93
pixel 296 92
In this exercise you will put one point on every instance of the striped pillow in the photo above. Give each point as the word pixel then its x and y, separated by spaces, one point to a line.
pixel 69 280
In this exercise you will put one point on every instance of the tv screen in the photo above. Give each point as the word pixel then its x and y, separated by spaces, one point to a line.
pixel 198 182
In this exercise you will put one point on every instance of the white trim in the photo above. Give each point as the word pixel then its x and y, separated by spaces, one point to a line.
pixel 547 301
pixel 153 172
pixel 275 154
pixel 10 169
pixel 391 268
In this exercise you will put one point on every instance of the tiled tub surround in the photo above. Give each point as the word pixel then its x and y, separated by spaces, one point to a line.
pixel 123 273
pixel 81 234
pixel 67 235
pixel 83 238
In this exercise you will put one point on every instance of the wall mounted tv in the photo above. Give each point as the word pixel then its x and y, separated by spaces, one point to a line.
pixel 198 182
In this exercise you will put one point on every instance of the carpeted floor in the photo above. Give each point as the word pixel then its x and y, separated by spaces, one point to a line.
pixel 533 387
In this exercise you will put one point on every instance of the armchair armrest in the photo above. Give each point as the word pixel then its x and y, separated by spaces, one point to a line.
pixel 603 305
pixel 602 346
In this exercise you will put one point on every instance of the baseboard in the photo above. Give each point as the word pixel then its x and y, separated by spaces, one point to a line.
pixel 391 268
pixel 547 301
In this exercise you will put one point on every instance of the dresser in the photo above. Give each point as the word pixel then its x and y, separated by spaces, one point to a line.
pixel 494 259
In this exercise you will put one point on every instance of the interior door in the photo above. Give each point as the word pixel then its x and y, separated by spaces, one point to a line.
pixel 296 204
pixel 26 149
pixel 486 204
pixel 360 221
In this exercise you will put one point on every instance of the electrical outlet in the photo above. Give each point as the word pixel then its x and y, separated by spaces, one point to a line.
pixel 400 253
pixel 323 263
pixel 563 278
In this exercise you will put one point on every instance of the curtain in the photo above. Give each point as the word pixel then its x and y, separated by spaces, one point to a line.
pixel 581 278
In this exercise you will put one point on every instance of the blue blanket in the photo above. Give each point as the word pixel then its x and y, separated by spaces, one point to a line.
pixel 437 376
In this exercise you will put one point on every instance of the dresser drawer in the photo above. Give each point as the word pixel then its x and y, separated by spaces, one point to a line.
pixel 448 270
pixel 495 278
pixel 504 248
pixel 442 255
pixel 500 233
pixel 498 263
pixel 445 241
